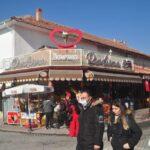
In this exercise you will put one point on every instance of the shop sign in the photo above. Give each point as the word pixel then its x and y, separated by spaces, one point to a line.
pixel 27 61
pixel 108 62
pixel 13 118
pixel 27 116
pixel 70 58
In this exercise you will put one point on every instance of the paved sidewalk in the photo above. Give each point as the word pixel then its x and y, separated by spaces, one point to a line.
pixel 42 131
pixel 53 131
pixel 30 141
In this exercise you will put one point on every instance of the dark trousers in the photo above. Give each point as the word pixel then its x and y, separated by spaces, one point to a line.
pixel 86 147
pixel 81 146
pixel 118 146
pixel 49 119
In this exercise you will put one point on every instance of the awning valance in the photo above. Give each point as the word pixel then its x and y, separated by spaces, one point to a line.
pixel 66 75
pixel 34 76
pixel 146 77
pixel 112 77
pixel 20 77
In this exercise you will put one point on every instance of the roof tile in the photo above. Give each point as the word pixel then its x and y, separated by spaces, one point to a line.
pixel 51 25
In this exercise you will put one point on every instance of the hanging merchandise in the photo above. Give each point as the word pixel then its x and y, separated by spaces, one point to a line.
pixel 147 86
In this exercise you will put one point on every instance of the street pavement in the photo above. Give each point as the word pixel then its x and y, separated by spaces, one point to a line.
pixel 23 141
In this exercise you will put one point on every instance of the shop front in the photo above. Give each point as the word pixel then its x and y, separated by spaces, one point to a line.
pixel 106 73
pixel 23 103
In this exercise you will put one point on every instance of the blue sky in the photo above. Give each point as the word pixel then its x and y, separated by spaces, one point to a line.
pixel 127 20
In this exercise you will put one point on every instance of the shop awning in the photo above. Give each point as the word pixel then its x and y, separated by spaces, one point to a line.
pixel 112 77
pixel 20 77
pixel 27 88
pixel 146 77
pixel 66 75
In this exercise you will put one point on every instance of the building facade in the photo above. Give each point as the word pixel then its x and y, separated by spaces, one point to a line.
pixel 107 66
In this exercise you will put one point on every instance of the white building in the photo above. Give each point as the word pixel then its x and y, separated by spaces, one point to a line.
pixel 23 35
pixel 98 59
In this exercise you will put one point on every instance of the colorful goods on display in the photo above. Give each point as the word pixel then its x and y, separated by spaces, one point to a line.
pixel 16 117
pixel 13 118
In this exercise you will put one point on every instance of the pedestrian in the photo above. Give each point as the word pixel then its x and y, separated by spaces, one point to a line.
pixel 48 109
pixel 91 124
pixel 123 132
pixel 74 115
pixel 67 104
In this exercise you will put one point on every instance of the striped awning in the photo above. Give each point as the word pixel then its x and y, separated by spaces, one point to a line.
pixel 112 77
pixel 146 77
pixel 34 76
pixel 20 77
pixel 67 75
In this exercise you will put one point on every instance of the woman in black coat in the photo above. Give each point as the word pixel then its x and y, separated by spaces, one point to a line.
pixel 123 132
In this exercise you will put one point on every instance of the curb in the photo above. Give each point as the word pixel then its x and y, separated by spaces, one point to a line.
pixel 144 124
pixel 32 133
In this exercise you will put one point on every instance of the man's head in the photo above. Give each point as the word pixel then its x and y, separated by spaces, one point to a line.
pixel 85 98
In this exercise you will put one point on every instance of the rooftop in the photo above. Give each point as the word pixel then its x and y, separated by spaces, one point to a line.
pixel 40 22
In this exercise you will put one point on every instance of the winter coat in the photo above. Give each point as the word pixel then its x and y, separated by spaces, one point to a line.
pixel 48 106
pixel 120 136
pixel 74 123
pixel 91 128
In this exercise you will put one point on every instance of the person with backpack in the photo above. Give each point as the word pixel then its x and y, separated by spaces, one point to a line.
pixel 123 132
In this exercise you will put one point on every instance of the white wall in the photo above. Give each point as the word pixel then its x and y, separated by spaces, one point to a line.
pixel 86 45
pixel 6 46
pixel 28 40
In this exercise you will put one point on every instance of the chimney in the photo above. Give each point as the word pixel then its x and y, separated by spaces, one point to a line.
pixel 38 14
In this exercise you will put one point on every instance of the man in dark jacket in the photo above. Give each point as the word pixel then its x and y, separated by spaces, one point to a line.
pixel 48 109
pixel 91 125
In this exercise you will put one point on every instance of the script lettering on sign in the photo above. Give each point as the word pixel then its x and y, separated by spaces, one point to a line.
pixel 26 62
pixel 107 62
